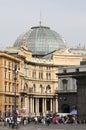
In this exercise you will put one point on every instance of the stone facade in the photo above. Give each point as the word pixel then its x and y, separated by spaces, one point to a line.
pixel 36 81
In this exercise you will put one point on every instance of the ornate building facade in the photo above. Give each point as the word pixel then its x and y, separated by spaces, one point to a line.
pixel 36 55
pixel 67 90
pixel 76 93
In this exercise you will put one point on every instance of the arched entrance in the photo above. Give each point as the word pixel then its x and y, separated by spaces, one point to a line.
pixel 65 108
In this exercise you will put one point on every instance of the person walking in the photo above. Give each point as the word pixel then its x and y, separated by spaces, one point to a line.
pixel 10 122
pixel 48 121
pixel 36 120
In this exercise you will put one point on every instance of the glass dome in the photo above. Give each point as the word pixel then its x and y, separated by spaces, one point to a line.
pixel 41 41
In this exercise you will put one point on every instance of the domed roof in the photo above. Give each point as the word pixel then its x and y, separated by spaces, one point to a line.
pixel 41 41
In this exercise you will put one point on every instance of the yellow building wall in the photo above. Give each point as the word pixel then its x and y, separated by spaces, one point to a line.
pixel 29 71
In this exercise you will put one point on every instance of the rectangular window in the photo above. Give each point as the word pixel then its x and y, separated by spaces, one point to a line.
pixel 4 62
pixel 34 75
pixel 64 71
pixel 13 88
pixel 9 87
pixel 65 84
pixel 47 76
pixel 9 99
pixel 9 67
pixel 9 75
pixel 40 75
pixel 5 73
pixel 5 99
pixel 5 87
pixel 48 68
pixel 13 99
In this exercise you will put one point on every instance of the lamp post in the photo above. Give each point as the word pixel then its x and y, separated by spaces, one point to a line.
pixel 15 78
pixel 15 106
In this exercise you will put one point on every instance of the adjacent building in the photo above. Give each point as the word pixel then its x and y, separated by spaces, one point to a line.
pixel 67 90
pixel 76 97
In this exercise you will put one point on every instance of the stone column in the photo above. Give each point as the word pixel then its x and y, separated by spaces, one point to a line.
pixel 26 104
pixel 30 104
pixel 51 104
pixel 56 105
pixel 36 106
pixel 33 105
pixel 45 104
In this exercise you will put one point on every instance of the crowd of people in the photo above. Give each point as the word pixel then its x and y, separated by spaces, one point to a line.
pixel 56 119
pixel 10 121
pixel 46 120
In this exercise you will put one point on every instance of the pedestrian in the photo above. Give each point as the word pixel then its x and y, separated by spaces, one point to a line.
pixel 43 120
pixel 10 122
pixel 48 121
pixel 56 120
pixel 36 120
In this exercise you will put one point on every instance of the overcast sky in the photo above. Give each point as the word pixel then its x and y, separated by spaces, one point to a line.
pixel 67 17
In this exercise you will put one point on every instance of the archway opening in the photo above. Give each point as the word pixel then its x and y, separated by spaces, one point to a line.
pixel 65 108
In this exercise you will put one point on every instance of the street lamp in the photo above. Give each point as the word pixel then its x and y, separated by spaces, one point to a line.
pixel 15 106
pixel 15 78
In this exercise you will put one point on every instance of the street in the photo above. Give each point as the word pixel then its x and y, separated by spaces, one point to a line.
pixel 40 126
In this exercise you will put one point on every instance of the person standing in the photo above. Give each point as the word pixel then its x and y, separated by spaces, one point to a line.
pixel 10 122
pixel 48 121
pixel 36 120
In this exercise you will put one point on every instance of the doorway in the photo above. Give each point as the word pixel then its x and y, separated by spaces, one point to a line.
pixel 65 108
pixel 40 105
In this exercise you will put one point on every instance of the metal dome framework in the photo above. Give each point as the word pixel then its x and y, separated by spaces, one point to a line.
pixel 41 41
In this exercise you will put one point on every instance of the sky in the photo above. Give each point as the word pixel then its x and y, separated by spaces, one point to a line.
pixel 66 17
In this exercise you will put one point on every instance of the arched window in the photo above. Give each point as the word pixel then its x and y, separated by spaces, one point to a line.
pixel 41 89
pixel 25 86
pixel 48 89
pixel 34 88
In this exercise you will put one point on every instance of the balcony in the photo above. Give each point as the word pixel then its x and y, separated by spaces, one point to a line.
pixel 23 91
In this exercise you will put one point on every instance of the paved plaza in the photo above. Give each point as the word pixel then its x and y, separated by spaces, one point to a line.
pixel 40 126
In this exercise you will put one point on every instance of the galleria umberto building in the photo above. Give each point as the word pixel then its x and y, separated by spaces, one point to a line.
pixel 28 71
